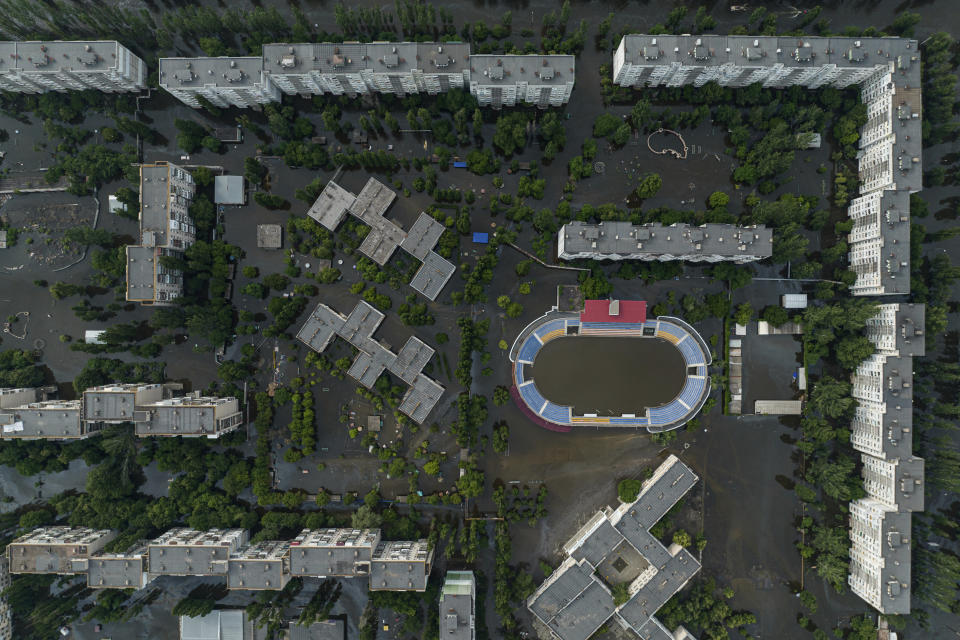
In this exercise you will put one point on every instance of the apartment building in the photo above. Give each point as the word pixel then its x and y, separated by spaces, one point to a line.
pixel 401 566
pixel 121 402
pixel 188 552
pixel 508 80
pixel 458 606
pixel 398 68
pixel 896 483
pixel 127 570
pixel 190 416
pixel 166 229
pixel 887 71
pixel 55 549
pixel 331 553
pixel 614 547
pixel 222 81
pixel 61 65
pixel 261 566
pixel 898 329
pixel 46 420
pixel 656 242
pixel 880 555
pixel 10 398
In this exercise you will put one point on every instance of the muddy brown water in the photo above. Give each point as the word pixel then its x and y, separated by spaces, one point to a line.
pixel 609 375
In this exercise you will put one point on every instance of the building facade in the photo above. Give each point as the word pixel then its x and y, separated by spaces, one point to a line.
pixel 657 242
pixel 222 81
pixel 6 615
pixel 508 80
pixel 166 229
pixel 60 65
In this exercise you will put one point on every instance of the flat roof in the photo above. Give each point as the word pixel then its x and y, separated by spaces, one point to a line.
pixel 669 579
pixel 331 205
pixel 228 190
pixel 411 359
pixel 50 419
pixel 269 236
pixel 376 57
pixel 624 238
pixel 534 69
pixel 141 272
pixel 614 311
pixel 457 606
pixel 154 204
pixel 54 56
pixel 432 277
pixel 400 565
pixel 117 571
pixel 218 625
pixel 223 72
pixel 420 398
pixel 422 236
pixel 320 327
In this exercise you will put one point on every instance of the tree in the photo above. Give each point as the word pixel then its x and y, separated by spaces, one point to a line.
pixel 501 395
pixel 682 538
pixel 366 518
pixel 649 186
pixel 743 314
pixel 775 315
pixel 628 489
pixel 605 124
pixel 620 593
pixel 831 397
pixel 736 275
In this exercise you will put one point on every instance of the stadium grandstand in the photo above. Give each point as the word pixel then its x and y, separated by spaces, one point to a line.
pixel 613 318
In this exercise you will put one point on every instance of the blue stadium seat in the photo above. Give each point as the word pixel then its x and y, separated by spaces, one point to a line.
pixel 529 349
pixel 531 395
pixel 553 325
pixel 556 413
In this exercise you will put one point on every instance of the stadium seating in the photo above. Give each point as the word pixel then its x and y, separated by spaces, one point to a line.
pixel 531 395
pixel 692 354
pixel 529 349
pixel 550 330
pixel 692 391
pixel 556 413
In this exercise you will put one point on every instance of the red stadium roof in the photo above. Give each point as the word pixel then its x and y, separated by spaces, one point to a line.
pixel 614 311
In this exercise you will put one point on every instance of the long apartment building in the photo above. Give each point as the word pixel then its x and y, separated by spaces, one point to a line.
pixel 887 71
pixel 506 81
pixel 222 81
pixel 266 565
pixel 882 429
pixel 166 229
pixel 357 68
pixel 61 65
pixel 458 606
pixel 144 405
pixel 614 547
pixel 657 242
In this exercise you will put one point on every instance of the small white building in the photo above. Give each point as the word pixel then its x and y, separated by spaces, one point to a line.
pixel 229 190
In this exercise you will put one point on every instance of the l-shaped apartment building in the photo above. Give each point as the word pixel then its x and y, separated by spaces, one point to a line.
pixel 887 72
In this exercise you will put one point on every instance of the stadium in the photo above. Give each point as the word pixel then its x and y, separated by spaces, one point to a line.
pixel 657 378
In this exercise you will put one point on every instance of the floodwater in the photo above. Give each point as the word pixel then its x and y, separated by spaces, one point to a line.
pixel 609 376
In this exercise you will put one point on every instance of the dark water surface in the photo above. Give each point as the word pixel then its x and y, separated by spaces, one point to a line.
pixel 609 376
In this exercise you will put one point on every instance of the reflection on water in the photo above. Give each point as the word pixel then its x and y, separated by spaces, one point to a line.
pixel 609 376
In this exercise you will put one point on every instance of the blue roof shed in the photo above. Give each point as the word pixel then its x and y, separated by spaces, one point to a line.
pixel 481 238
pixel 460 165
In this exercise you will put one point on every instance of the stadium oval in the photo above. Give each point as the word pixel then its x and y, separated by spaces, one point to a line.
pixel 610 318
